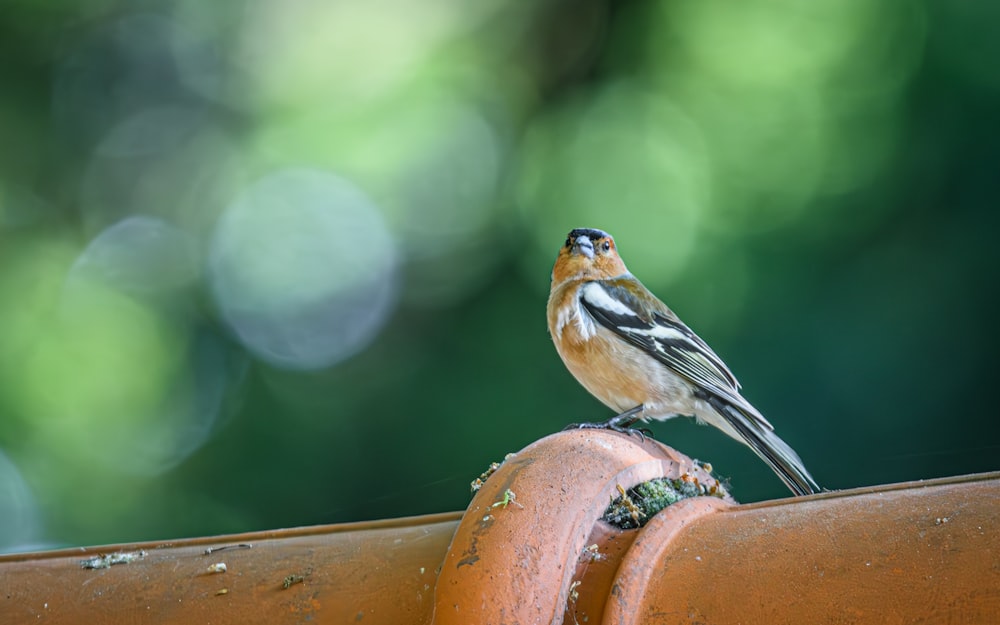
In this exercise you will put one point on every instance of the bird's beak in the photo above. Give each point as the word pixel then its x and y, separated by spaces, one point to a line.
pixel 583 245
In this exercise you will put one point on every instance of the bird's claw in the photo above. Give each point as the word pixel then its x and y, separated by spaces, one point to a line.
pixel 642 433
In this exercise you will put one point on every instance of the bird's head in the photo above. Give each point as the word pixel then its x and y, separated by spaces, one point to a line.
pixel 588 254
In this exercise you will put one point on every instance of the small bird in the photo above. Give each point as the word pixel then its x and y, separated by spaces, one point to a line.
pixel 635 355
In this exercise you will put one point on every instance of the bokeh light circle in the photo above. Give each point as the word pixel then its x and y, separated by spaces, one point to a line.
pixel 113 380
pixel 303 269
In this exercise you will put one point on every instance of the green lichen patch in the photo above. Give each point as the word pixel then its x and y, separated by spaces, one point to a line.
pixel 634 507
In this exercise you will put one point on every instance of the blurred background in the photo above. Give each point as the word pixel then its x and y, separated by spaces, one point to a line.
pixel 267 264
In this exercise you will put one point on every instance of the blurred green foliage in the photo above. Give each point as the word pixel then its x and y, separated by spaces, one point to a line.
pixel 267 264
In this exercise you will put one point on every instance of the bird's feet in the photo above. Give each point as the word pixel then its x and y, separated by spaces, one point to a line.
pixel 643 433
pixel 621 423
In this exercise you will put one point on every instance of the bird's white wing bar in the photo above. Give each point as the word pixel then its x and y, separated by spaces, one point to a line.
pixel 594 294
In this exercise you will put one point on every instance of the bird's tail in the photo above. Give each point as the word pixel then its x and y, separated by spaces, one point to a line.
pixel 775 452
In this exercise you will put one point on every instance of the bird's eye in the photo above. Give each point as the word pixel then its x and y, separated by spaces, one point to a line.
pixel 606 245
pixel 568 242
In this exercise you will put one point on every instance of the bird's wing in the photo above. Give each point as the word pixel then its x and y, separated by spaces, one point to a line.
pixel 652 327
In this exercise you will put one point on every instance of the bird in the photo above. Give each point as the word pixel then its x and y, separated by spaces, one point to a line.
pixel 630 351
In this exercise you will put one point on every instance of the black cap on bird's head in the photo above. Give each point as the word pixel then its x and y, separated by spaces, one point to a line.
pixel 591 233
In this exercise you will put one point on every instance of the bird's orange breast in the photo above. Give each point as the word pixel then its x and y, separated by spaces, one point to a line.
pixel 615 372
